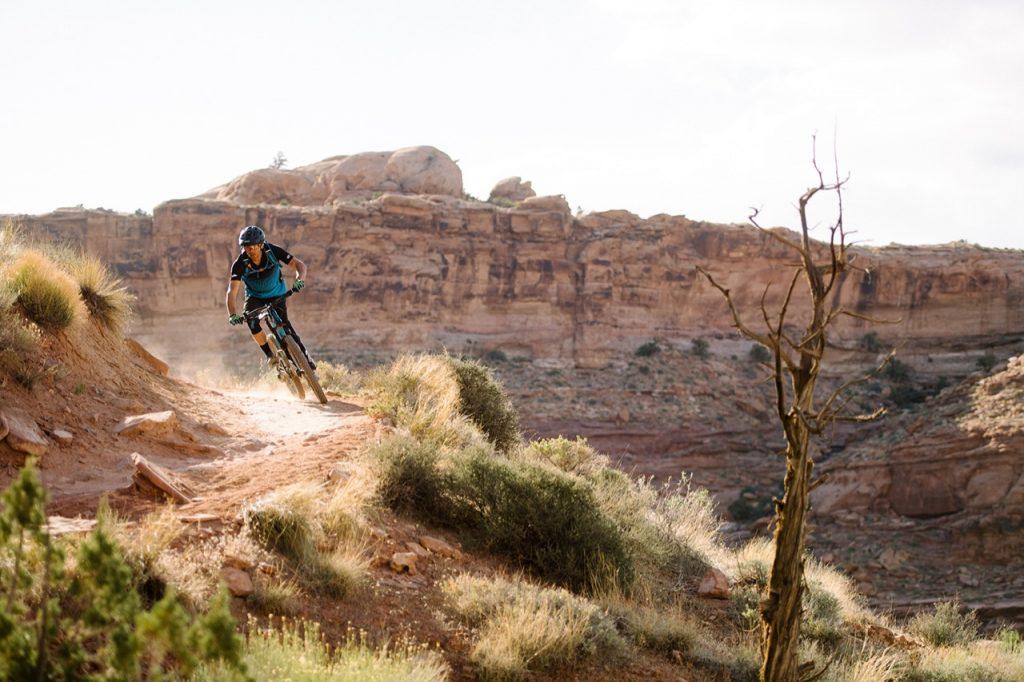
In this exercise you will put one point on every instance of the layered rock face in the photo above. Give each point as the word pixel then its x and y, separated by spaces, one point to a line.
pixel 408 272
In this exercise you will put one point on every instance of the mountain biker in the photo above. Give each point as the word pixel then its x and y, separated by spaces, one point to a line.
pixel 258 266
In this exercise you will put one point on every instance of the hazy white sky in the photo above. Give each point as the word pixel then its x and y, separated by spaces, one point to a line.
pixel 700 108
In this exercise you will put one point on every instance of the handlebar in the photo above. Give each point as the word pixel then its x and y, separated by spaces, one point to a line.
pixel 248 315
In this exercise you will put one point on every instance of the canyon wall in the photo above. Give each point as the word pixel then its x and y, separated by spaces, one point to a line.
pixel 408 272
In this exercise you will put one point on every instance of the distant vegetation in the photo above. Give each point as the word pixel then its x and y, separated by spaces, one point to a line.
pixel 700 347
pixel 648 349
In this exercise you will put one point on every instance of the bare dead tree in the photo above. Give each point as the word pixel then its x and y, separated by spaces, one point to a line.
pixel 795 365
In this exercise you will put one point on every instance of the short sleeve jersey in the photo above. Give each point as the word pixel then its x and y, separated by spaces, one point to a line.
pixel 266 279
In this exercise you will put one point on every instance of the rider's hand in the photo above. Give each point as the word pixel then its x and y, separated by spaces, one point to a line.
pixel 235 319
pixel 299 283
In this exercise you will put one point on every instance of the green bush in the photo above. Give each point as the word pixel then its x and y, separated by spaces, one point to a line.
pixel 945 625
pixel 700 347
pixel 483 400
pixel 1010 640
pixel 759 354
pixel 897 371
pixel 546 520
pixel 986 362
pixel 648 349
pixel 495 355
pixel 87 621
pixel 870 342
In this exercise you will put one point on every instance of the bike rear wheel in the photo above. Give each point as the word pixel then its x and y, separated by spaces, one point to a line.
pixel 291 377
pixel 300 359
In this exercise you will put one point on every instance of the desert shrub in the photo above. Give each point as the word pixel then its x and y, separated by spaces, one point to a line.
pixel 288 522
pixel 870 342
pixel 663 630
pixel 297 651
pixel 418 392
pixel 45 294
pixel 945 625
pixel 571 456
pixel 543 518
pixel 483 400
pixel 743 509
pixel 897 371
pixel 495 355
pixel 986 362
pixel 524 628
pixel 699 347
pixel 822 616
pixel 337 378
pixel 105 298
pixel 648 349
pixel 409 479
pixel 69 623
pixel 1010 640
pixel 759 354
pixel 504 202
pixel 17 342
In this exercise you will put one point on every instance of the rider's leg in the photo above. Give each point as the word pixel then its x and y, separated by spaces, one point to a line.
pixel 257 332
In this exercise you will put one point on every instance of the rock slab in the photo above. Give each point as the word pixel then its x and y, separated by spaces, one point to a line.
pixel 23 434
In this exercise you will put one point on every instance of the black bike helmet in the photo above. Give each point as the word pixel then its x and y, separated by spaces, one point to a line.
pixel 251 235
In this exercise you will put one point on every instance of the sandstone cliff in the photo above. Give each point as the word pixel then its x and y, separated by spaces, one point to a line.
pixel 414 271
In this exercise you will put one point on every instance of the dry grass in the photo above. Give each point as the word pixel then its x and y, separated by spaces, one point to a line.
pixel 275 596
pixel 45 293
pixel 107 301
pixel 419 392
pixel 945 625
pixel 979 662
pixel 297 652
pixel 524 628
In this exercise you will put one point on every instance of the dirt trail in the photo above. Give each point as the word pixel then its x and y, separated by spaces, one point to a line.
pixel 274 440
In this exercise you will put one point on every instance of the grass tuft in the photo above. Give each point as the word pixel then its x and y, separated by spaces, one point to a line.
pixel 945 625
pixel 524 628
pixel 483 400
pixel 45 294
pixel 107 301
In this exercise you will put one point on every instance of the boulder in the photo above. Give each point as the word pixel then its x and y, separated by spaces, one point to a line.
pixel 23 434
pixel 439 546
pixel 714 585
pixel 548 203
pixel 150 360
pixel 151 423
pixel 238 582
pixel 513 189
pixel 424 170
pixel 403 562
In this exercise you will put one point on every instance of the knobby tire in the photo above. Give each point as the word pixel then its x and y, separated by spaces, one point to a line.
pixel 300 359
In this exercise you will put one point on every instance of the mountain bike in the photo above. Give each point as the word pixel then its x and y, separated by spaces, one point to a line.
pixel 292 364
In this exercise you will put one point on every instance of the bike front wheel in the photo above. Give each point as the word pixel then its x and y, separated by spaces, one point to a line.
pixel 300 359
pixel 291 377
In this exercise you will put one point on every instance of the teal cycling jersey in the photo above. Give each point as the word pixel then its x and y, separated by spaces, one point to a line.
pixel 266 279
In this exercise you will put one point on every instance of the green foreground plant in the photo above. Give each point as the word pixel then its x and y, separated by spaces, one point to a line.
pixel 87 621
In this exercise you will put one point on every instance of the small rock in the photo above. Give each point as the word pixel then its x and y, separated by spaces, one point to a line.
pixel 403 562
pixel 439 546
pixel 3 426
pixel 150 423
pixel 417 549
pixel 63 437
pixel 238 582
pixel 23 433
pixel 377 532
pixel 714 585
pixel 237 561
pixel 215 429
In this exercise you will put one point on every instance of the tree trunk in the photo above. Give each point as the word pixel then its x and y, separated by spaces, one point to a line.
pixel 781 610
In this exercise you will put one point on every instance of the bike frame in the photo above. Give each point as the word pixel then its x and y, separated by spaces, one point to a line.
pixel 267 315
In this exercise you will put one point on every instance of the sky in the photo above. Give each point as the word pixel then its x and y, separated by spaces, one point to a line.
pixel 696 108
